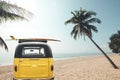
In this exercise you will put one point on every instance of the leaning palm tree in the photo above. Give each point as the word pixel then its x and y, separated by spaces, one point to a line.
pixel 82 21
pixel 11 12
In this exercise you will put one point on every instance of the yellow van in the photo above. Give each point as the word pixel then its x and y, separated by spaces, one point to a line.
pixel 33 60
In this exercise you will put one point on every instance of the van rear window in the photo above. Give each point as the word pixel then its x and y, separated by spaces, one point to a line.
pixel 33 51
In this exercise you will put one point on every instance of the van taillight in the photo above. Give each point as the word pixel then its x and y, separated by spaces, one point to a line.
pixel 15 68
pixel 52 67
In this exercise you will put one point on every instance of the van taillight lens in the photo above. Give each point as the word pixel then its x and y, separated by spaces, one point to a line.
pixel 52 67
pixel 15 68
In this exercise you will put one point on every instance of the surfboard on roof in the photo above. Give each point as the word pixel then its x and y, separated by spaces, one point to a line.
pixel 20 40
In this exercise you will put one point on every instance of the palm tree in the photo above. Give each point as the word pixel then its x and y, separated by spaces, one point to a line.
pixel 11 12
pixel 82 21
pixel 114 43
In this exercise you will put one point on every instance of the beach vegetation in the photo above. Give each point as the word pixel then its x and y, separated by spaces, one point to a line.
pixel 83 26
pixel 114 43
pixel 11 12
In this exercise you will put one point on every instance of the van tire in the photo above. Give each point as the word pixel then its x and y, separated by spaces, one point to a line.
pixel 14 79
pixel 52 78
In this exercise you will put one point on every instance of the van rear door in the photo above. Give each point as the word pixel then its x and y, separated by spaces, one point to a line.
pixel 34 67
pixel 33 61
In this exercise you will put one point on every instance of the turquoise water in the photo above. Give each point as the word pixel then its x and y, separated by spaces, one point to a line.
pixel 71 55
pixel 7 59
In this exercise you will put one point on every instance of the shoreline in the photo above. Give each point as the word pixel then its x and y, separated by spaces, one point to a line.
pixel 94 55
pixel 80 68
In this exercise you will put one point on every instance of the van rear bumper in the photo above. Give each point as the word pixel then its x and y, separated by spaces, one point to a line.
pixel 52 78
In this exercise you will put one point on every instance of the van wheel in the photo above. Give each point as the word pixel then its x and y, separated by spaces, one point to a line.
pixel 14 79
pixel 52 78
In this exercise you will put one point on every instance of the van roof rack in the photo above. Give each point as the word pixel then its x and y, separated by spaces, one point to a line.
pixel 36 40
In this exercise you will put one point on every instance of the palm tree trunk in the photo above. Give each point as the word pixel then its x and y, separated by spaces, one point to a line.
pixel 113 64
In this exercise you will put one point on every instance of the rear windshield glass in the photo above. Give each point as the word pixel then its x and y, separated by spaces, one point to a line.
pixel 33 51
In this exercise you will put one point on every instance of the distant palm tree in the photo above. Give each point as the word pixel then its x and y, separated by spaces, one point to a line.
pixel 11 12
pixel 114 43
pixel 82 21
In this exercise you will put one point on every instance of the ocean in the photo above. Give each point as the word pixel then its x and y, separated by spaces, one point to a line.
pixel 72 55
pixel 7 58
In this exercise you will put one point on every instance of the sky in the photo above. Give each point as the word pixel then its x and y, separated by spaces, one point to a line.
pixel 48 22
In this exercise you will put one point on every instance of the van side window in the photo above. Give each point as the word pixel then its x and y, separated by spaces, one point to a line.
pixel 33 51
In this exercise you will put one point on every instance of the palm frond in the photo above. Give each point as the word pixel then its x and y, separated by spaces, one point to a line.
pixel 73 20
pixel 14 9
pixel 89 14
pixel 79 13
pixel 5 16
pixel 74 14
pixel 93 20
pixel 82 13
pixel 3 44
pixel 87 32
pixel 75 31
pixel 91 27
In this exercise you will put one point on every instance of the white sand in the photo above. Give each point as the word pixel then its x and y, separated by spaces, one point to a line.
pixel 85 68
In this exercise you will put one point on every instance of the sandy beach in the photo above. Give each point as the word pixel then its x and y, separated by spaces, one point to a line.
pixel 83 68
